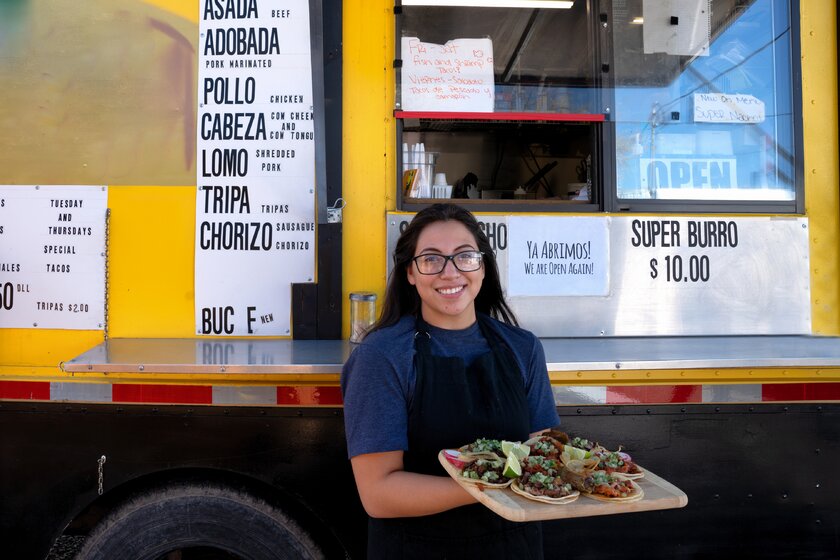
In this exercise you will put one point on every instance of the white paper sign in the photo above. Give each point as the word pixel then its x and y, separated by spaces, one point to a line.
pixel 52 257
pixel 726 108
pixel 455 77
pixel 255 205
pixel 558 256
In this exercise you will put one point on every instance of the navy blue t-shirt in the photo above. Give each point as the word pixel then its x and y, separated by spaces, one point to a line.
pixel 377 382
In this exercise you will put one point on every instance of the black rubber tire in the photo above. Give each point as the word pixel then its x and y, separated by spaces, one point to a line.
pixel 197 515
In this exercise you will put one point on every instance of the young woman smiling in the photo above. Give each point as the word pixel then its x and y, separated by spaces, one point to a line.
pixel 445 364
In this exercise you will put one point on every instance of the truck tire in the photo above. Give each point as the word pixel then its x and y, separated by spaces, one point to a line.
pixel 198 517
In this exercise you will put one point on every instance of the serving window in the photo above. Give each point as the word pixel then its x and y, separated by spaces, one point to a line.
pixel 704 103
pixel 591 105
pixel 503 100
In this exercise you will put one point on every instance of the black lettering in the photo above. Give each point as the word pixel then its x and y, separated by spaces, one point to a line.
pixel 230 9
pixel 227 199
pixel 235 236
pixel 242 41
pixel 233 126
pixel 216 320
pixel 7 296
pixel 718 233
pixel 227 162
pixel 655 233
pixel 222 93
pixel 251 319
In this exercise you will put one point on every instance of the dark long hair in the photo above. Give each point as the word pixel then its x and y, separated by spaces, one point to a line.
pixel 401 297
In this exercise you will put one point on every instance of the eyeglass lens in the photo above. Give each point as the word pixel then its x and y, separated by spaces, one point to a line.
pixel 467 261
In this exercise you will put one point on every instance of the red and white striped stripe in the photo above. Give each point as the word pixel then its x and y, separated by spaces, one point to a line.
pixel 302 395
pixel 170 394
pixel 700 394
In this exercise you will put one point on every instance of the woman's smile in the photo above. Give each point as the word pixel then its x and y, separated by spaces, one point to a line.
pixel 451 291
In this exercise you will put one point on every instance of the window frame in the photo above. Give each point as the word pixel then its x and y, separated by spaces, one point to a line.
pixel 604 194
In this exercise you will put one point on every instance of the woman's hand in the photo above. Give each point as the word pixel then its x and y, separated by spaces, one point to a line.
pixel 387 490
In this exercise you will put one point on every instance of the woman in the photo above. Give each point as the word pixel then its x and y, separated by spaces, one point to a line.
pixel 444 365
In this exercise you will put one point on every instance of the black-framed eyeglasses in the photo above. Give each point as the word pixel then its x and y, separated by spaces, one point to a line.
pixel 432 263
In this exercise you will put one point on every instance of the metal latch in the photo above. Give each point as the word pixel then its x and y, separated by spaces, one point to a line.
pixel 334 211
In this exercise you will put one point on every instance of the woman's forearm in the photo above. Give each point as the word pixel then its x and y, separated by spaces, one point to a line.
pixel 387 490
pixel 406 494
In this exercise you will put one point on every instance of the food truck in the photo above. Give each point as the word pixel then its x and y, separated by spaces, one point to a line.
pixel 192 189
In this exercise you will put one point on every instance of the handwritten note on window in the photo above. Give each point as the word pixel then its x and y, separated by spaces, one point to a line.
pixel 728 108
pixel 456 77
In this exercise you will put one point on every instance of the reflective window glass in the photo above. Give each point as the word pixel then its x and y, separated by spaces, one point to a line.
pixel 703 100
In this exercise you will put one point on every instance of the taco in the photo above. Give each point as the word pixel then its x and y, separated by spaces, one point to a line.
pixel 482 445
pixel 487 470
pixel 600 485
pixel 545 446
pixel 540 482
pixel 581 464
pixel 617 462
pixel 582 443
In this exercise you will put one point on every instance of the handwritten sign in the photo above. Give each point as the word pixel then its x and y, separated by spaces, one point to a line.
pixel 724 108
pixel 558 256
pixel 457 76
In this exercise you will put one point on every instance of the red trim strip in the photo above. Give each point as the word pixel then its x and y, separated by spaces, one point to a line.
pixel 655 394
pixel 567 117
pixel 800 392
pixel 25 390
pixel 164 394
pixel 309 395
pixel 331 396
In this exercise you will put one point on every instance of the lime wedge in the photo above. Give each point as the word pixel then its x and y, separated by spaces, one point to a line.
pixel 576 453
pixel 512 467
pixel 519 449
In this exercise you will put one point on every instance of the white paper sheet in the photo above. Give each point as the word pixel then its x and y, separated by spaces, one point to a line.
pixel 455 77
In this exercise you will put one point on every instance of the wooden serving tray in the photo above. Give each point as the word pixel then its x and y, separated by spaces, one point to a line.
pixel 659 494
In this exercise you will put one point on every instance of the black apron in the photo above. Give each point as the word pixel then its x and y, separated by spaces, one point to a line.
pixel 453 405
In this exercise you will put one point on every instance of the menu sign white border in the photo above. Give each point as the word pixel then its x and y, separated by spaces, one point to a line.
pixel 255 201
pixel 52 256
pixel 558 256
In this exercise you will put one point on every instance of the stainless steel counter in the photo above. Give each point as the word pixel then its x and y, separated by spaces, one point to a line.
pixel 234 356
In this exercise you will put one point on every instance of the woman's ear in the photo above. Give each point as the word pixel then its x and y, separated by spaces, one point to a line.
pixel 409 274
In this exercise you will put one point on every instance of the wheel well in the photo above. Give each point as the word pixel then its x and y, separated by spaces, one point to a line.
pixel 278 497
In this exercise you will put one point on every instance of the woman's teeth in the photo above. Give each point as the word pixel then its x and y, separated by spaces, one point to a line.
pixel 449 291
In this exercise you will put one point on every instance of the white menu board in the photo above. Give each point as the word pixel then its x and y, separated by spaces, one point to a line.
pixel 52 257
pixel 255 206
pixel 558 256
pixel 457 76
